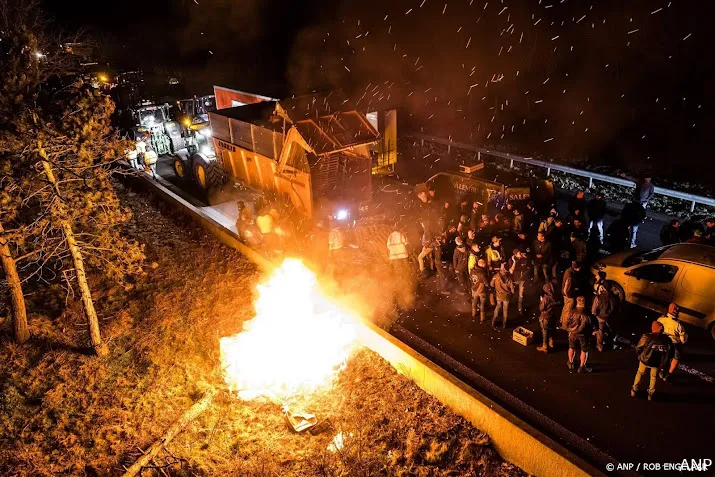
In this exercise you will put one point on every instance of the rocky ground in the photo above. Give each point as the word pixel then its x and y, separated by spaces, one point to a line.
pixel 63 412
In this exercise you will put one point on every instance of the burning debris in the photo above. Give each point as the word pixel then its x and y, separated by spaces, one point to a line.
pixel 297 342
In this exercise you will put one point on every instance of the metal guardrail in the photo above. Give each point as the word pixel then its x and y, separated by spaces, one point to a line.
pixel 692 198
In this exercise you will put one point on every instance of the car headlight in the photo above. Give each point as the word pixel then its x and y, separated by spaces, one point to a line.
pixel 342 214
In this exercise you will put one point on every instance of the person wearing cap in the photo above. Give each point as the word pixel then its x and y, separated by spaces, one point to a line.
pixel 480 287
pixel 578 247
pixel 596 210
pixel 569 287
pixel 578 326
pixel 517 266
pixel 503 287
pixel 474 256
pixel 603 306
pixel 460 262
pixel 495 254
pixel 654 350
pixel 673 329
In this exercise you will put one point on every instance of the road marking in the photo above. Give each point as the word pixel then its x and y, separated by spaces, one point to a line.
pixel 687 369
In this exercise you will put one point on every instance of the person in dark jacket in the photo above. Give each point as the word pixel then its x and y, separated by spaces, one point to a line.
pixel 644 192
pixel 578 325
pixel 547 309
pixel 542 257
pixel 441 263
pixel 504 288
pixel 522 242
pixel 518 269
pixel 517 221
pixel 710 231
pixel 670 234
pixel 480 289
pixel 578 247
pixel 603 306
pixel 460 261
pixel 558 236
pixel 634 214
pixel 596 210
pixel 618 235
pixel 577 203
pixel 569 290
pixel 654 350
pixel 579 226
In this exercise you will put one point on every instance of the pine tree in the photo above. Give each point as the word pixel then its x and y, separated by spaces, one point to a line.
pixel 62 149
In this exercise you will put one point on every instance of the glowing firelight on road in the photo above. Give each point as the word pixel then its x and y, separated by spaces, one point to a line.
pixel 297 342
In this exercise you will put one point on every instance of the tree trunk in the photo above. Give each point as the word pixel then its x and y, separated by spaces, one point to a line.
pixel 93 322
pixel 19 314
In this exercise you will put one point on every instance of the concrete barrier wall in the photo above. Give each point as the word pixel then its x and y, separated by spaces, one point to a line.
pixel 516 441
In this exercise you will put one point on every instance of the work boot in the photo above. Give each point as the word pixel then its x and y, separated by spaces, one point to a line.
pixel 543 349
pixel 584 369
pixel 633 393
pixel 551 342
pixel 650 397
pixel 664 375
pixel 571 366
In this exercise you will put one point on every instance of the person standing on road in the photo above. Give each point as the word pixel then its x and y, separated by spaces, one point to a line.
pixel 517 221
pixel 596 212
pixel 644 192
pixel 670 234
pixel 577 205
pixel 618 235
pixel 634 214
pixel 427 242
pixel 474 256
pixel 673 329
pixel 397 247
pixel 460 261
pixel 547 226
pixel 710 231
pixel 604 304
pixel 518 271
pixel 132 158
pixel 542 257
pixel 578 247
pixel 480 287
pixel 654 350
pixel 578 326
pixel 441 261
pixel 504 288
pixel 569 287
pixel 495 255
pixel 547 309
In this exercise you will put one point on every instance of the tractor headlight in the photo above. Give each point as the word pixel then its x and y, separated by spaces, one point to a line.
pixel 342 214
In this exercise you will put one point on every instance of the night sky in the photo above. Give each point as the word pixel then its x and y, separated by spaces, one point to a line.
pixel 627 82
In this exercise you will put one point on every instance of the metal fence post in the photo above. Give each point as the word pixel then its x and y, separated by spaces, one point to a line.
pixel 479 155
pixel 692 206
pixel 511 164
pixel 548 171
pixel 590 182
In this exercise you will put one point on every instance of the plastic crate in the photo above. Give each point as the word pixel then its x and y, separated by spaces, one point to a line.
pixel 523 336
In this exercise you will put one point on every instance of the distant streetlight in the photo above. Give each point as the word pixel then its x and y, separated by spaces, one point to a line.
pixel 103 78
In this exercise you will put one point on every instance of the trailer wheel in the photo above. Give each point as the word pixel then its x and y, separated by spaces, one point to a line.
pixel 208 174
pixel 179 167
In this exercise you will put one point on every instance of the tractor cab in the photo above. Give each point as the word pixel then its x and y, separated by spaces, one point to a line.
pixel 195 110
pixel 166 136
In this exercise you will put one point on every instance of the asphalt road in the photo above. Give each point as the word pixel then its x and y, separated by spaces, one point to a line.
pixel 597 407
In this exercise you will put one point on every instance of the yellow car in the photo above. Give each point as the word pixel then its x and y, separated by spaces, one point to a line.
pixel 681 273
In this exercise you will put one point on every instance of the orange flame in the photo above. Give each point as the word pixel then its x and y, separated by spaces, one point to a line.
pixel 297 342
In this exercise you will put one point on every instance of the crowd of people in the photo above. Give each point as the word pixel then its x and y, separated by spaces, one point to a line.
pixel 466 249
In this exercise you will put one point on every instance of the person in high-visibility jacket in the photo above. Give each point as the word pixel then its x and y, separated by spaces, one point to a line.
pixel 132 158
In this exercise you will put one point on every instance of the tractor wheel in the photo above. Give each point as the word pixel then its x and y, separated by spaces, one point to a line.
pixel 177 144
pixel 179 167
pixel 208 174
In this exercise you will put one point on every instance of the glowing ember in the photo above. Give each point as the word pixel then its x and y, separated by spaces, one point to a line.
pixel 297 342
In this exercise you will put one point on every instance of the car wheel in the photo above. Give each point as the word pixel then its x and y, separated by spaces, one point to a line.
pixel 617 291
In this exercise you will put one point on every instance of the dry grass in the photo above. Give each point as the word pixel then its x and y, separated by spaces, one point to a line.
pixel 65 413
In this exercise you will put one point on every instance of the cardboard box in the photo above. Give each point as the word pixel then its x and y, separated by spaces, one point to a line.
pixel 523 336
